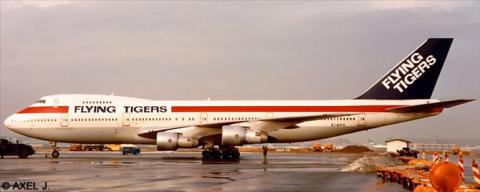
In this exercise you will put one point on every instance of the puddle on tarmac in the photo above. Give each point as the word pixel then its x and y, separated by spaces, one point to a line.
pixel 98 162
pixel 324 170
pixel 308 162
pixel 214 177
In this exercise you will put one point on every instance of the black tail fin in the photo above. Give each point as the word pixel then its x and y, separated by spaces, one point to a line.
pixel 415 77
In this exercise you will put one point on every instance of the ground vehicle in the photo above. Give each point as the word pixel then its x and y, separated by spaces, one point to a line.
pixel 317 147
pixel 76 147
pixel 22 150
pixel 99 147
pixel 114 147
pixel 130 149
pixel 329 148
pixel 455 149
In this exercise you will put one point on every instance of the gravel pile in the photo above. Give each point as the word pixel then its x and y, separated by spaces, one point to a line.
pixel 369 162
pixel 355 149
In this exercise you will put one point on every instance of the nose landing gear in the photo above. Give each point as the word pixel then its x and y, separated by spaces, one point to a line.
pixel 55 153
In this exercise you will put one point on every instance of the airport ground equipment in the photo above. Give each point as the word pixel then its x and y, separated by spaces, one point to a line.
pixel 114 147
pixel 407 152
pixel 329 148
pixel 317 147
pixel 130 149
pixel 76 147
pixel 455 150
pixel 11 149
pixel 98 147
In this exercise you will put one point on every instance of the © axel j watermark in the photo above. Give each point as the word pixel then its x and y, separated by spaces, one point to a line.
pixel 24 186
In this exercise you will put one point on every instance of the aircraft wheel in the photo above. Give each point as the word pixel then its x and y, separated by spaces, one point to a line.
pixel 135 153
pixel 236 154
pixel 216 154
pixel 226 154
pixel 206 154
pixel 55 154
pixel 23 153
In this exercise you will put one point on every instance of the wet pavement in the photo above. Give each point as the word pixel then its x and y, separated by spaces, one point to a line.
pixel 181 171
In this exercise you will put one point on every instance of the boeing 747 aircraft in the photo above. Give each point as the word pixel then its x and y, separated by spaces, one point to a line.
pixel 403 94
pixel 372 145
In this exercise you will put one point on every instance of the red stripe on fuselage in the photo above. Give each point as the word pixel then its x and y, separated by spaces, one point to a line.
pixel 59 109
pixel 364 108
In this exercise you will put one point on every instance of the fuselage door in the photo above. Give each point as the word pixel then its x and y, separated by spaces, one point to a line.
pixel 126 119
pixel 203 118
pixel 55 103
pixel 64 120
pixel 269 115
pixel 361 119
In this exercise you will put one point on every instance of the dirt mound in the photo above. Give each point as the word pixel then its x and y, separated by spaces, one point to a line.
pixel 369 162
pixel 355 149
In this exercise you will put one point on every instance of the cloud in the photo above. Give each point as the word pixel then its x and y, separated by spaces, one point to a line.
pixel 393 4
pixel 11 5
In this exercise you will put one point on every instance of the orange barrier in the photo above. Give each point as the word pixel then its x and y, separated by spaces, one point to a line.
pixel 424 175
pixel 476 174
pixel 460 162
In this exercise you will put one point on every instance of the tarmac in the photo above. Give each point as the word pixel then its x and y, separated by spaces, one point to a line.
pixel 188 171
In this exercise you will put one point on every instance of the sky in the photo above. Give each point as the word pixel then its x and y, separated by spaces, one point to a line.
pixel 237 50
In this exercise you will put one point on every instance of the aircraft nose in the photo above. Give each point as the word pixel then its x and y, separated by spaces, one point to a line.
pixel 9 122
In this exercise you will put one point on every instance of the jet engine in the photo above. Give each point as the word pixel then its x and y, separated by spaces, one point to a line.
pixel 237 136
pixel 172 141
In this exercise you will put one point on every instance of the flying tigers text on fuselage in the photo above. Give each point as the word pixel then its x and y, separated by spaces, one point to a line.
pixel 128 109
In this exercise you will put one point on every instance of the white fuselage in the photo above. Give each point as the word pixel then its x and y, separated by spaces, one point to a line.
pixel 78 118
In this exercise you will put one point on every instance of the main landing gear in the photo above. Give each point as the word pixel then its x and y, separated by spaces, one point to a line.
pixel 226 153
pixel 55 153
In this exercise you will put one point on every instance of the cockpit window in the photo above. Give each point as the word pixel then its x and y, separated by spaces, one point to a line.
pixel 40 101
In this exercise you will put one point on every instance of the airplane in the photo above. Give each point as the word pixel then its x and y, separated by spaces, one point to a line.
pixel 372 145
pixel 403 94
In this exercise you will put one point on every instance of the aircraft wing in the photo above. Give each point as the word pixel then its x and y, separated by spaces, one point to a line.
pixel 429 106
pixel 265 125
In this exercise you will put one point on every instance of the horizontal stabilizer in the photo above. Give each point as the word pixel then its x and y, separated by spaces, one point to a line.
pixel 429 106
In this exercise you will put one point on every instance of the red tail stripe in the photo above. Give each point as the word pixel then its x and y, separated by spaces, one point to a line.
pixel 365 108
pixel 59 109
